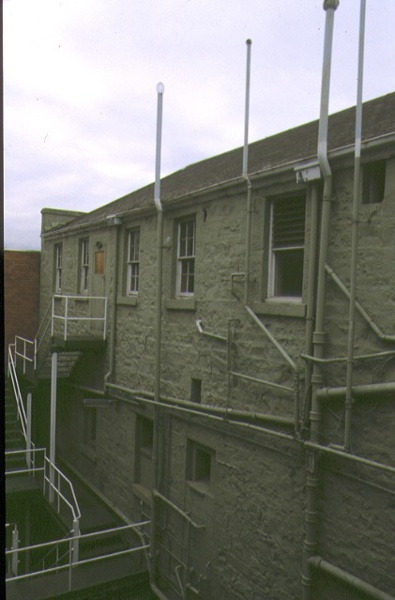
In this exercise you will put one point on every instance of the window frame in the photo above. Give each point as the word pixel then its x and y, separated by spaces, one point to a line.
pixel 276 254
pixel 373 182
pixel 200 461
pixel 185 258
pixel 133 264
pixel 84 266
pixel 58 264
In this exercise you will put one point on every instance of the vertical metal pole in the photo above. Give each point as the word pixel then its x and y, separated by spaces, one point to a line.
pixel 158 204
pixel 66 314
pixel 53 316
pixel 354 235
pixel 29 430
pixel 76 540
pixel 15 546
pixel 52 440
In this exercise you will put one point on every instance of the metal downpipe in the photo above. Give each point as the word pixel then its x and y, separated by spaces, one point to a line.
pixel 354 236
pixel 158 335
pixel 310 295
pixel 109 375
pixel 312 483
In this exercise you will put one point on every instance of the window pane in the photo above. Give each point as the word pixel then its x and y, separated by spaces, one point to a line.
pixel 288 273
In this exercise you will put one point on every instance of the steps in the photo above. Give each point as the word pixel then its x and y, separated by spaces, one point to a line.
pixel 14 439
pixel 66 363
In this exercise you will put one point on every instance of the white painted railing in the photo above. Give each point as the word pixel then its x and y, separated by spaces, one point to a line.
pixel 66 315
pixel 68 544
pixel 54 484
pixel 17 390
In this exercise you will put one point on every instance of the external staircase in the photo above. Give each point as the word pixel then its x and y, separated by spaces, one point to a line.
pixel 97 550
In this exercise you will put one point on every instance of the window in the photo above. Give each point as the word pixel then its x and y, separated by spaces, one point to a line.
pixel 144 450
pixel 199 465
pixel 58 267
pixel 90 425
pixel 186 257
pixel 373 182
pixel 84 265
pixel 133 262
pixel 196 390
pixel 286 247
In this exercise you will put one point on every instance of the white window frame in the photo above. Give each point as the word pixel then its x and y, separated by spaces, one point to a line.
pixel 84 266
pixel 58 267
pixel 133 262
pixel 186 243
pixel 278 252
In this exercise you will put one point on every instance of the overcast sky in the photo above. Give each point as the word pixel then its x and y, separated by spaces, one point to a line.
pixel 80 82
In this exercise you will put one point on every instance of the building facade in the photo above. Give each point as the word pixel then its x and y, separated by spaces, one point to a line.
pixel 241 401
pixel 21 294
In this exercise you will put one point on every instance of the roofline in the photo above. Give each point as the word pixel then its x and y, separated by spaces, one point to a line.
pixel 294 165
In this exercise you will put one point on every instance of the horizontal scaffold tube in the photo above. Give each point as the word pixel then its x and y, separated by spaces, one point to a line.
pixel 224 414
pixel 357 584
pixel 358 390
pixel 348 456
pixel 229 413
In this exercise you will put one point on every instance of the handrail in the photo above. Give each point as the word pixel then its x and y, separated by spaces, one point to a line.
pixel 66 316
pixel 17 391
pixel 23 354
pixel 75 509
pixel 70 541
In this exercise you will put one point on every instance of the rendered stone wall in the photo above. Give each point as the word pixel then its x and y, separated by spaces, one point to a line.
pixel 253 514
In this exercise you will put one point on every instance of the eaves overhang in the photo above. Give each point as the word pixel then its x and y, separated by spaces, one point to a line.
pixel 256 177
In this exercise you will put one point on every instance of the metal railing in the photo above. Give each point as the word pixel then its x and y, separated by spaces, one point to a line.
pixel 14 554
pixel 16 387
pixel 68 315
pixel 56 486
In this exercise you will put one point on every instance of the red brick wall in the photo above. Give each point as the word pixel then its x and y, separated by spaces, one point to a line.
pixel 21 294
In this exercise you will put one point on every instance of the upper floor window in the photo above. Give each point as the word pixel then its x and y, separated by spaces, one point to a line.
pixel 84 265
pixel 199 463
pixel 286 247
pixel 58 267
pixel 373 182
pixel 185 277
pixel 133 262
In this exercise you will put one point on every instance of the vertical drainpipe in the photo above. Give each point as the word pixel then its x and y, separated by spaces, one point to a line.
pixel 158 331
pixel 311 293
pixel 115 222
pixel 312 481
pixel 354 238
pixel 245 175
pixel 319 335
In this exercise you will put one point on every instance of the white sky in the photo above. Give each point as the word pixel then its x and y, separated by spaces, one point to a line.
pixel 80 82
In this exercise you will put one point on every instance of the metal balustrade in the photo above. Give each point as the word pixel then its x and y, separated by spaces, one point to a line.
pixel 65 547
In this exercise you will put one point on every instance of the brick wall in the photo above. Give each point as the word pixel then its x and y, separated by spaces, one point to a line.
pixel 21 294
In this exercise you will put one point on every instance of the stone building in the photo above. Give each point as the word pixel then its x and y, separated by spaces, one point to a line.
pixel 236 398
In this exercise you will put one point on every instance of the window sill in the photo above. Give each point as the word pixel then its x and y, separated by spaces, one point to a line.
pixel 127 300
pixel 280 308
pixel 142 492
pixel 201 488
pixel 181 304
